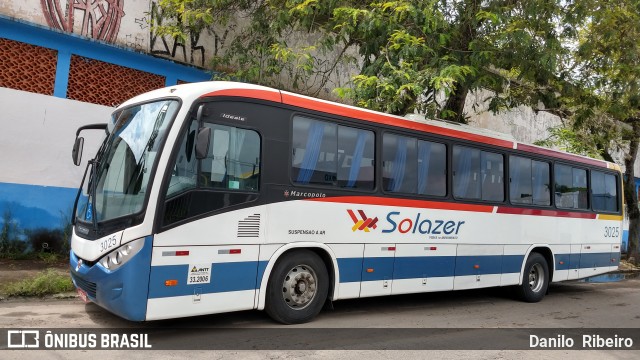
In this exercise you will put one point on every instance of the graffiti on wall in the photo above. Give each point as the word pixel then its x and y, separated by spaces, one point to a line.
pixel 99 19
pixel 194 51
pixel 169 46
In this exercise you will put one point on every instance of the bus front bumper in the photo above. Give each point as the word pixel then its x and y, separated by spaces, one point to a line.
pixel 122 291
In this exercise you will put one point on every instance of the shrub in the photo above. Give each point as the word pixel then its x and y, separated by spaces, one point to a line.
pixel 45 283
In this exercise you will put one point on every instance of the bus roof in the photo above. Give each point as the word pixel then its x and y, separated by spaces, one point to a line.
pixel 193 91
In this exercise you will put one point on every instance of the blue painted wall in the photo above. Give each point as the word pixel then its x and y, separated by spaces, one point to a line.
pixel 33 206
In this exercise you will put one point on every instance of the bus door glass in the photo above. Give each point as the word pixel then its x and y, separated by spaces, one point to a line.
pixel 227 176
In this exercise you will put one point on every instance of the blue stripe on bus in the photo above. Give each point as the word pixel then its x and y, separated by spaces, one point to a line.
pixel 615 259
pixel 425 266
pixel 594 260
pixel 488 264
pixel 512 263
pixel 583 261
pixel 225 277
pixel 574 261
pixel 262 267
pixel 381 268
pixel 350 269
pixel 563 261
pixel 238 276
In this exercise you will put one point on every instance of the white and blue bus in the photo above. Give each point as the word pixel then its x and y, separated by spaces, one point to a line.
pixel 219 196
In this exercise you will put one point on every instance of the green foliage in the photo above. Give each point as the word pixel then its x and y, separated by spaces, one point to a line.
pixel 11 246
pixel 608 59
pixel 567 139
pixel 17 243
pixel 49 258
pixel 408 55
pixel 609 55
pixel 46 283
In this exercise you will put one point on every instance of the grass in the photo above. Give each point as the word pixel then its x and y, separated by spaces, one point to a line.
pixel 49 258
pixel 47 282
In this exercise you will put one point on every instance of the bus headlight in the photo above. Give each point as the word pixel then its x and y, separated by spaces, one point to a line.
pixel 121 255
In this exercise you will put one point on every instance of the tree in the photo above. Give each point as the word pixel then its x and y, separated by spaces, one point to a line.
pixel 433 53
pixel 609 66
pixel 407 56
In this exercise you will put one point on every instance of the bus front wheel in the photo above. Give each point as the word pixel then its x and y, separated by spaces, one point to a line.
pixel 535 278
pixel 297 288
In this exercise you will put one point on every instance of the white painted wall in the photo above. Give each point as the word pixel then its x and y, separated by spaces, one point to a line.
pixel 37 134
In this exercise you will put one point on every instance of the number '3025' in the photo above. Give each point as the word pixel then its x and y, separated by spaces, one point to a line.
pixel 611 231
pixel 108 243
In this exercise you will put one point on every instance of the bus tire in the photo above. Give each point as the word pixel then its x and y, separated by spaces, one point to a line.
pixel 535 280
pixel 297 288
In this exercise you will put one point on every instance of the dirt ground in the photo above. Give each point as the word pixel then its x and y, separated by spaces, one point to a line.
pixel 15 270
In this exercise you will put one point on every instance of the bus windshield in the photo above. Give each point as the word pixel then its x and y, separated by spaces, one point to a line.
pixel 120 176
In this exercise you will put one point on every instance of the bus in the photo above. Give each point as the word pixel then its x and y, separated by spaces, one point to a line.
pixel 219 196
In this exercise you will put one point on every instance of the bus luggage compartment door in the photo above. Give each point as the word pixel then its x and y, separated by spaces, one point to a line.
pixel 377 269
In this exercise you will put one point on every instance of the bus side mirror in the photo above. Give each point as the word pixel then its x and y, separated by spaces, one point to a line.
pixel 202 143
pixel 76 153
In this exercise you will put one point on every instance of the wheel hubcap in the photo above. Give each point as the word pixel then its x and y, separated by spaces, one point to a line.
pixel 536 278
pixel 299 287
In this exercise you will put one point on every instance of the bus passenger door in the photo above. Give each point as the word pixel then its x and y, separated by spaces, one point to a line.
pixel 377 269
pixel 423 267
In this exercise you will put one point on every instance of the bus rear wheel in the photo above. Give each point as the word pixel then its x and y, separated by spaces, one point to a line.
pixel 297 288
pixel 535 279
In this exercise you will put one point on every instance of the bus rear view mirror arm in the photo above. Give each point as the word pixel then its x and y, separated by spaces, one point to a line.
pixel 78 145
pixel 202 143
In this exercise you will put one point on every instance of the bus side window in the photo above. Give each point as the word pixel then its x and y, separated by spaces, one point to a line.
pixel 520 179
pixel 492 175
pixel 233 162
pixel 604 192
pixel 355 171
pixel 541 183
pixel 399 163
pixel 466 173
pixel 315 152
pixel 571 187
pixel 183 176
pixel 477 174
pixel 432 168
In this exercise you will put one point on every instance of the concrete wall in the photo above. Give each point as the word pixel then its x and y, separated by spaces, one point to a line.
pixel 38 181
pixel 522 122
pixel 37 135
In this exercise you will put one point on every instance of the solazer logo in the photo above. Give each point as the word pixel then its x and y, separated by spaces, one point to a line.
pixel 363 224
pixel 418 224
